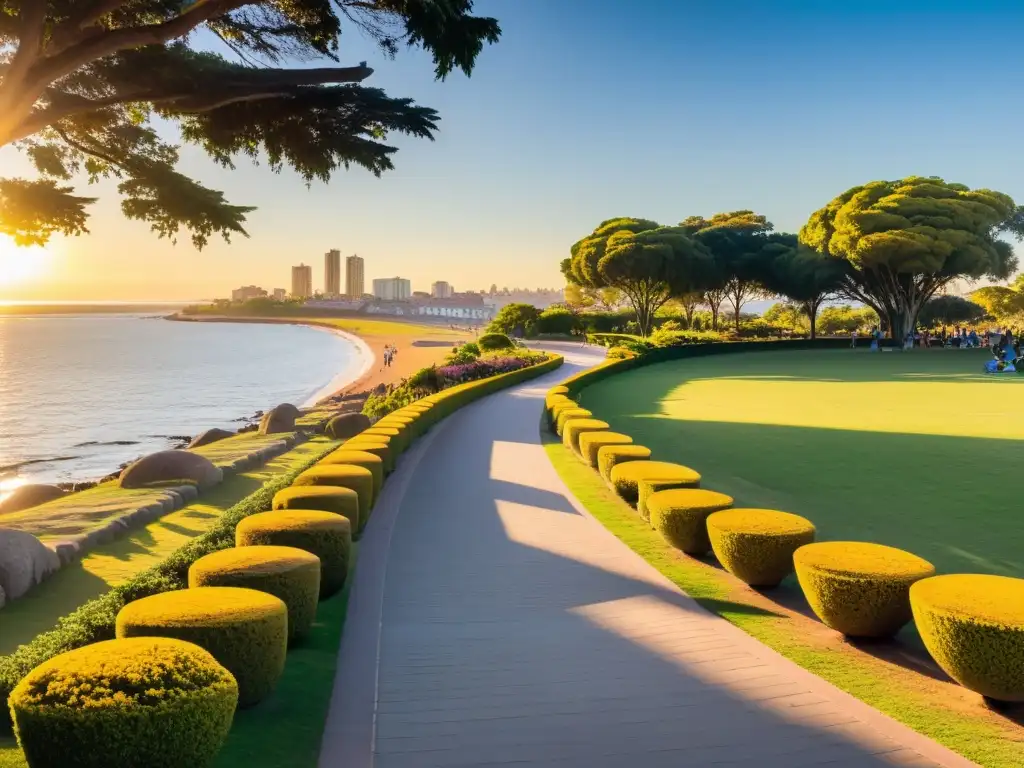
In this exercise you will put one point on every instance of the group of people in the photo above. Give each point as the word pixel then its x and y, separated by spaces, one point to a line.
pixel 390 351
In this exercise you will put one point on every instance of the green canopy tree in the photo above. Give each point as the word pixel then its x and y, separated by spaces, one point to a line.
pixel 83 83
pixel 648 263
pixel 801 275
pixel 950 310
pixel 737 240
pixel 998 301
pixel 515 319
pixel 904 240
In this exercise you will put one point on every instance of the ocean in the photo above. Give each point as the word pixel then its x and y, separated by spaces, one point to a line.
pixel 80 394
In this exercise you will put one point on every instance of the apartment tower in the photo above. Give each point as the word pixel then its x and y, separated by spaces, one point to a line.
pixel 354 284
pixel 302 281
pixel 332 273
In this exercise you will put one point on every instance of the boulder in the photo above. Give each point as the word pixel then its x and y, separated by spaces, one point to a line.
pixel 347 425
pixel 279 419
pixel 210 436
pixel 24 562
pixel 31 495
pixel 171 467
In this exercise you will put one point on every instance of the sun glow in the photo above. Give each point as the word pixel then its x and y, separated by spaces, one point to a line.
pixel 20 265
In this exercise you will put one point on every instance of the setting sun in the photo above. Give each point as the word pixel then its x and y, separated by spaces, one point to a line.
pixel 18 264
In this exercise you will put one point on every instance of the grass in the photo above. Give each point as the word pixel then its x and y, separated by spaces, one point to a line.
pixel 225 452
pixel 113 563
pixel 892 684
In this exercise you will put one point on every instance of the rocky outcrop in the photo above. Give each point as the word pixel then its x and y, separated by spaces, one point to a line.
pixel 30 496
pixel 279 419
pixel 171 467
pixel 347 425
pixel 210 436
pixel 24 562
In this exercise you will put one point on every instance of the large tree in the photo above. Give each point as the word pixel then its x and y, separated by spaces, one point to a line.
pixel 83 83
pixel 737 240
pixel 801 275
pixel 950 310
pixel 998 300
pixel 648 263
pixel 902 241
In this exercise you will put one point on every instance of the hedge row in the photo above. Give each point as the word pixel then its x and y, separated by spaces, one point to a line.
pixel 209 629
pixel 971 624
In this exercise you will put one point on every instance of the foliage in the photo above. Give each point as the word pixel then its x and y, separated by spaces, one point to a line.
pixel 557 320
pixel 859 588
pixel 575 427
pixel 646 262
pixel 463 353
pixel 146 701
pixel 84 85
pixel 949 310
pixel 621 353
pixel 493 340
pixel 903 241
pixel 787 315
pixel 680 516
pixel 484 368
pixel 358 479
pixel 592 442
pixel 999 301
pixel 514 319
pixel 843 320
pixel 757 545
pixel 803 276
pixel 326 498
pixel 363 459
pixel 666 338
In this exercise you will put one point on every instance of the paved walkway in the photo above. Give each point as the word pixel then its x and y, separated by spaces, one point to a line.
pixel 493 622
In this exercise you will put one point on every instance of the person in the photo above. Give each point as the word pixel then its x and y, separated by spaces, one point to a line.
pixel 853 339
pixel 972 338
pixel 876 335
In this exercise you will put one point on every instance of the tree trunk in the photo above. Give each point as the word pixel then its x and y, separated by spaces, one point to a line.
pixel 812 313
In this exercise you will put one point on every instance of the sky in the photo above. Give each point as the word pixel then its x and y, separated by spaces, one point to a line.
pixel 588 110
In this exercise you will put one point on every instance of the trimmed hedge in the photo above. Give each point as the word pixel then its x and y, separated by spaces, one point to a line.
pixel 550 402
pixel 358 479
pixel 148 701
pixel 575 427
pixel 683 477
pixel 289 574
pixel 565 414
pixel 364 459
pixel 95 620
pixel 489 342
pixel 378 446
pixel 973 626
pixel 626 476
pixel 346 425
pixel 324 534
pixel 243 629
pixel 680 515
pixel 592 442
pixel 610 455
pixel 324 498
pixel 757 545
pixel 397 438
pixel 858 588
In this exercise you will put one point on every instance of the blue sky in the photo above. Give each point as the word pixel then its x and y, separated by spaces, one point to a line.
pixel 590 109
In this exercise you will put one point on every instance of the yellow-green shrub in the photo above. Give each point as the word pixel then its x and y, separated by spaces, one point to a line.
pixel 570 413
pixel 626 476
pixel 327 498
pixel 346 425
pixel 859 588
pixel 244 629
pixel 397 438
pixel 357 458
pixel 148 701
pixel 359 479
pixel 287 573
pixel 610 455
pixel 376 445
pixel 757 545
pixel 558 389
pixel 973 626
pixel 557 409
pixel 681 514
pixel 324 534
pixel 670 476
pixel 592 442
pixel 573 428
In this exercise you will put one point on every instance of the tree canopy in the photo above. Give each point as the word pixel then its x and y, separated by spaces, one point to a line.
pixel 950 310
pixel 902 241
pixel 83 83
pixel 648 263
pixel 999 301
pixel 515 320
pixel 801 275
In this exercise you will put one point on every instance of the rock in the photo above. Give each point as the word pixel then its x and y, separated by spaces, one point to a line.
pixel 31 495
pixel 380 389
pixel 188 494
pixel 24 562
pixel 67 551
pixel 279 419
pixel 210 436
pixel 171 466
pixel 347 425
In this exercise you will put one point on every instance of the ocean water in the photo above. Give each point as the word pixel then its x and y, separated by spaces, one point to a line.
pixel 80 394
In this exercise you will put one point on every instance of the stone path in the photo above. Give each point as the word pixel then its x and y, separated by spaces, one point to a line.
pixel 493 622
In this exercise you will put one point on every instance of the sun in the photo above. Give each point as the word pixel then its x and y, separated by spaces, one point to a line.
pixel 20 264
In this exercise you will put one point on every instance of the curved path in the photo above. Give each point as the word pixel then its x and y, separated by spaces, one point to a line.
pixel 493 622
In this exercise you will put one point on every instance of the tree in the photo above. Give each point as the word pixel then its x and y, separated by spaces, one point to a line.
pixel 515 319
pixel 786 315
pixel 649 264
pixel 688 303
pixel 998 301
pixel 83 82
pixel 801 275
pixel 834 321
pixel 902 241
pixel 950 310
pixel 738 242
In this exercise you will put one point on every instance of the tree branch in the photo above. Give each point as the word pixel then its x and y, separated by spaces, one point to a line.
pixel 30 46
pixel 88 150
pixel 69 33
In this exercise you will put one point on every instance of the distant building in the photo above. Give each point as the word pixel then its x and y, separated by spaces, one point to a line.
pixel 247 292
pixel 442 289
pixel 332 273
pixel 302 281
pixel 280 294
pixel 392 288
pixel 461 306
pixel 354 283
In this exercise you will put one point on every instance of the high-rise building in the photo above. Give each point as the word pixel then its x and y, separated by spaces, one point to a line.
pixel 302 281
pixel 442 289
pixel 247 292
pixel 332 273
pixel 280 294
pixel 354 283
pixel 392 288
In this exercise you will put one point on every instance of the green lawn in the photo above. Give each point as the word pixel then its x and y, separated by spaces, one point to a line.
pixel 918 450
